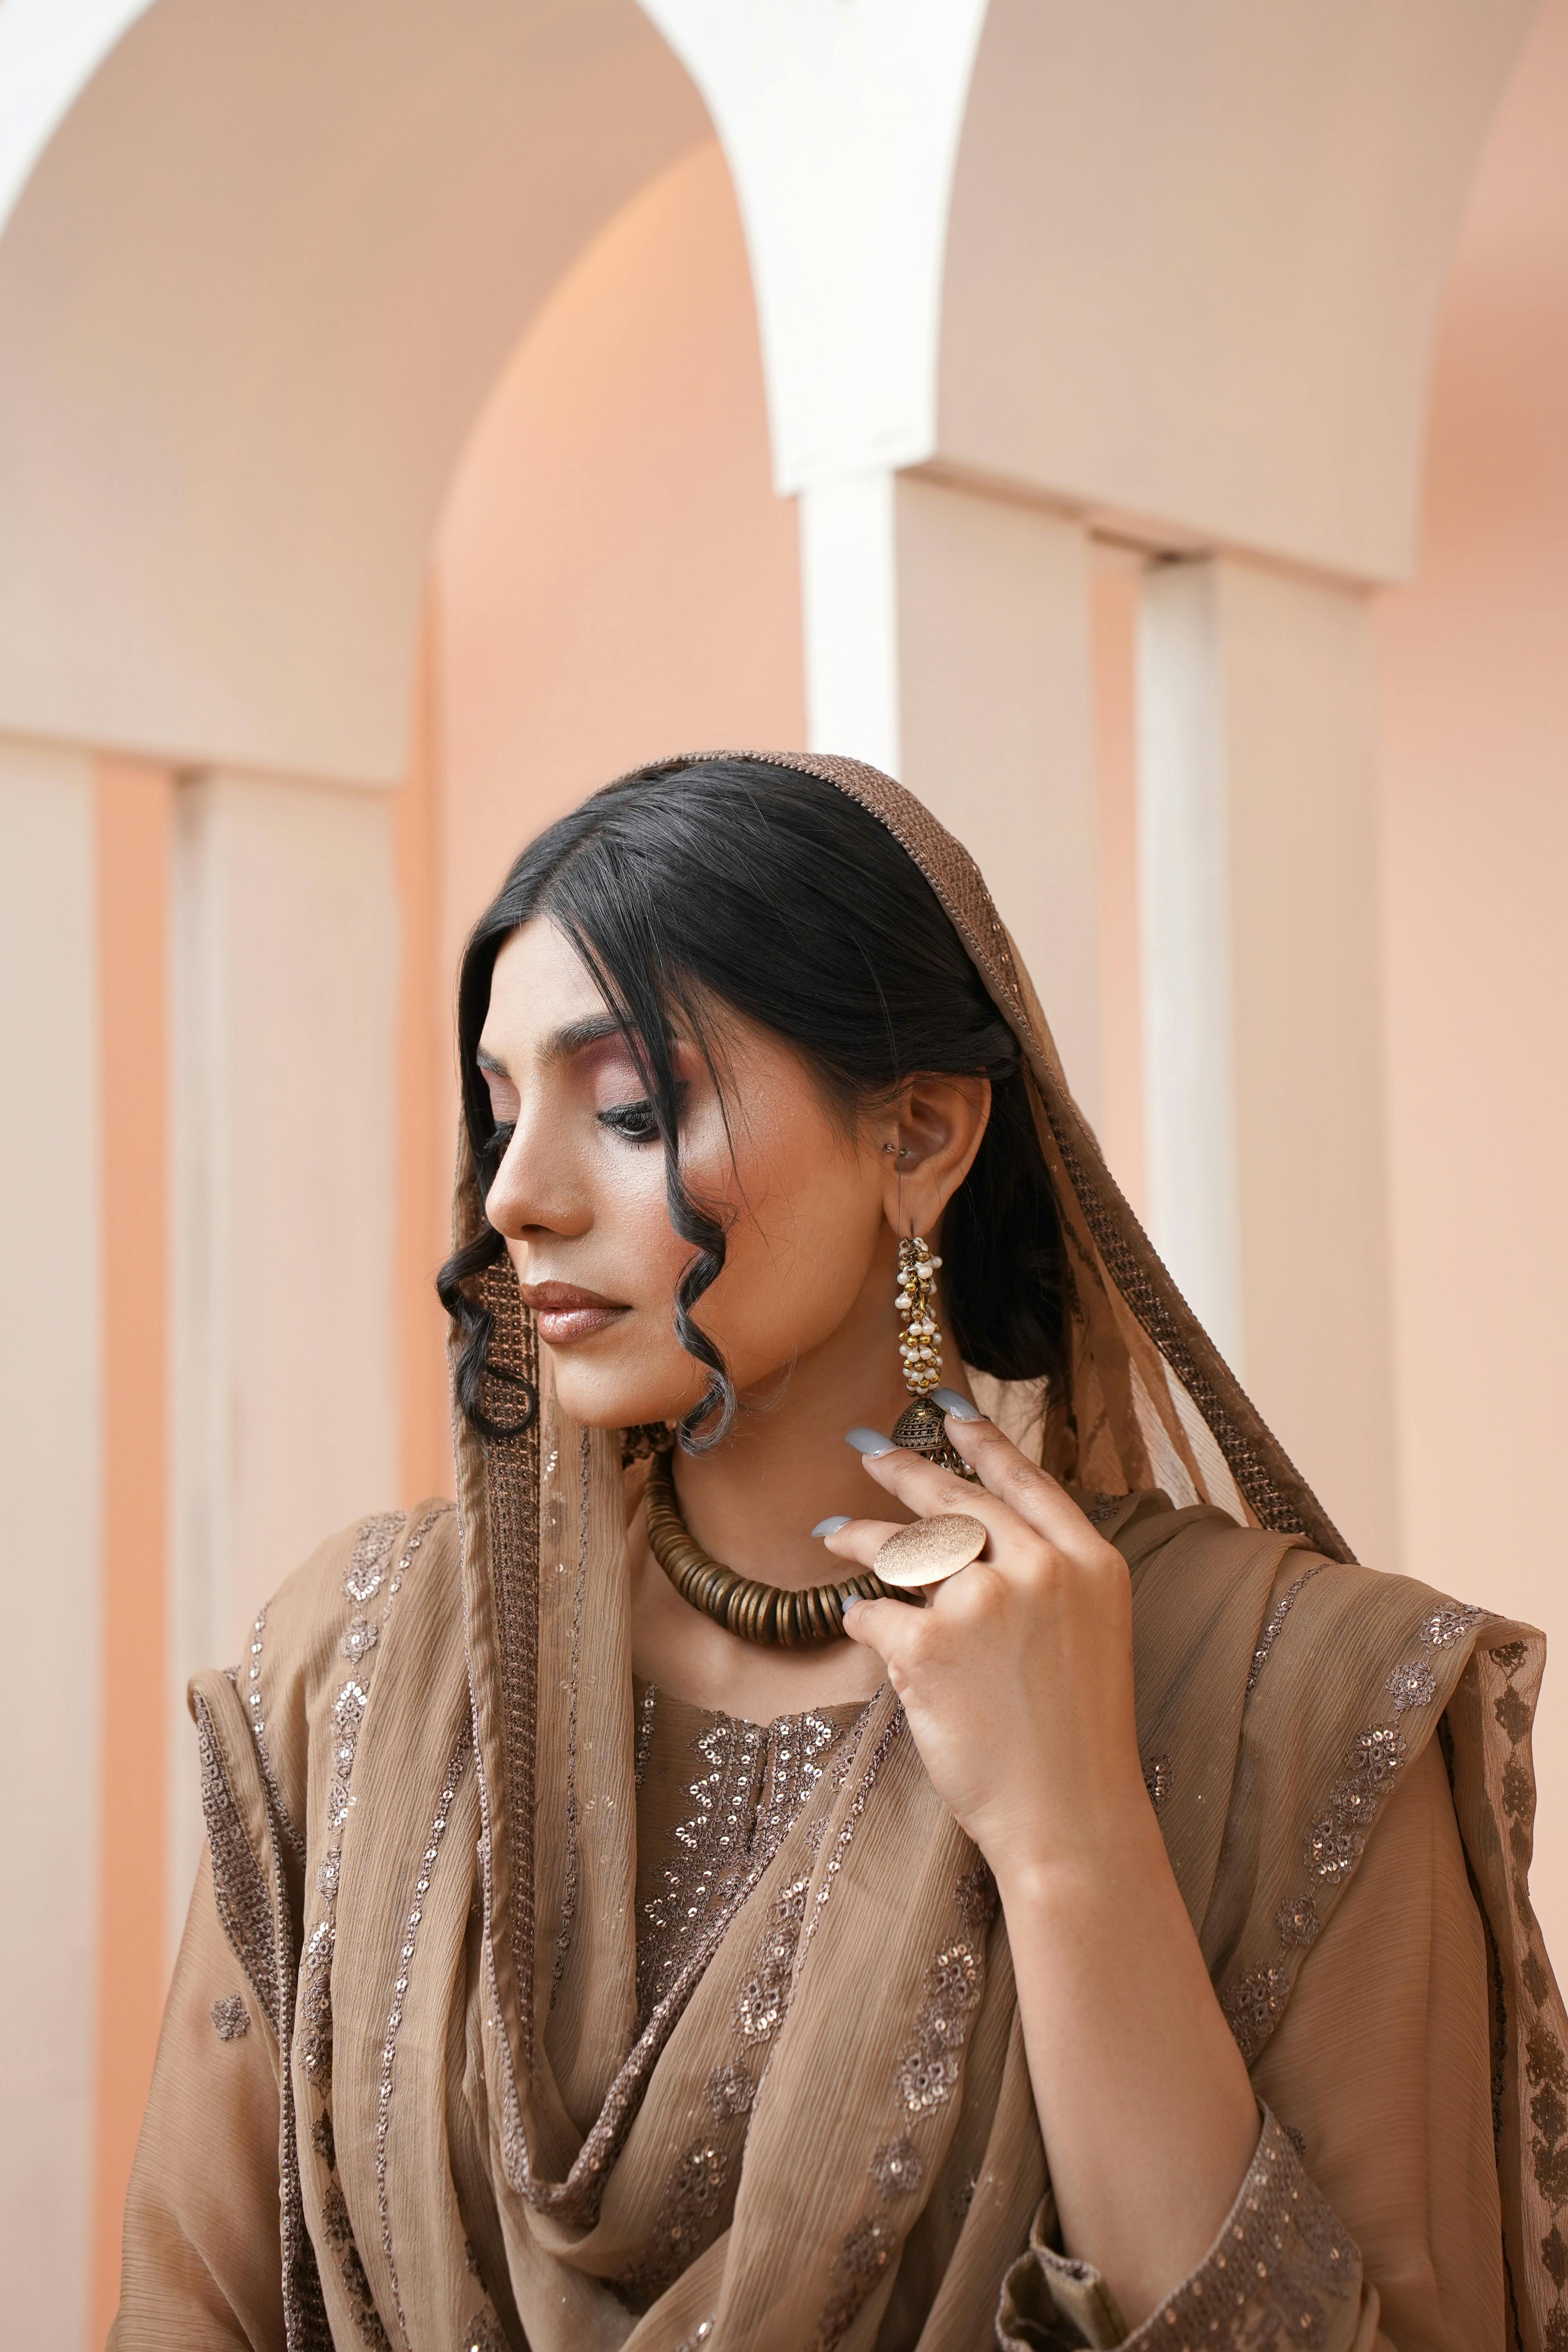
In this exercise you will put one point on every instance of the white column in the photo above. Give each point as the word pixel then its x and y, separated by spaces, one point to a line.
pixel 947 639
pixel 50 1431
pixel 1262 978
pixel 284 1060
pixel 1183 860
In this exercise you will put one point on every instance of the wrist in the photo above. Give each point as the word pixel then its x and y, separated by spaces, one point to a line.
pixel 1104 1860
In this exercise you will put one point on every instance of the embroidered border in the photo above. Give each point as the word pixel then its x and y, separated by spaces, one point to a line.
pixel 368 1571
pixel 1336 1841
pixel 455 1768
pixel 239 1890
pixel 924 2080
pixel 1545 2065
pixel 1281 2258
pixel 255 1718
pixel 569 1884
pixel 1275 1625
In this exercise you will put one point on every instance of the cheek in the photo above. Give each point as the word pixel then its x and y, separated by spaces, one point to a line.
pixel 806 1224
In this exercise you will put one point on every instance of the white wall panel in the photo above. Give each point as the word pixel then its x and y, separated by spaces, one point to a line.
pixel 50 1426
pixel 1264 1101
pixel 284 1117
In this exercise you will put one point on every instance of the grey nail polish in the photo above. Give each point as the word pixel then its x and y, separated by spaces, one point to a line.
pixel 847 1602
pixel 958 1407
pixel 831 1527
pixel 871 1442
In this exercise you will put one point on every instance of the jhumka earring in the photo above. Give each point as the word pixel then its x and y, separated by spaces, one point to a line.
pixel 922 1427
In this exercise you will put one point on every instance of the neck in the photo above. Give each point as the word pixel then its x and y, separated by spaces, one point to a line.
pixel 754 1501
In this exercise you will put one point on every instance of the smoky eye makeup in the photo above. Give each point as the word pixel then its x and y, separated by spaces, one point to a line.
pixel 635 1122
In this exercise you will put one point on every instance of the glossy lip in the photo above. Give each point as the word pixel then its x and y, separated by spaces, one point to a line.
pixel 566 1312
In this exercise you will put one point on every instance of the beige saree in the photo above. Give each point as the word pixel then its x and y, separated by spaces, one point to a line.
pixel 409 2091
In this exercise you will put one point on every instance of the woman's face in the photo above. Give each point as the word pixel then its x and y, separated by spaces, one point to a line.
pixel 580 1195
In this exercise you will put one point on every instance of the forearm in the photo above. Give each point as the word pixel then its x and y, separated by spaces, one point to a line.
pixel 1145 2107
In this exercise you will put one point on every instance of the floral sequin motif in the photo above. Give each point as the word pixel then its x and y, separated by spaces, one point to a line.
pixel 359 1640
pixel 1251 2005
pixel 691 2215
pixel 1336 1841
pixel 1410 1684
pixel 763 1996
pixel 927 2071
pixel 231 2019
pixel 896 2168
pixel 731 2091
pixel 372 1553
pixel 1448 1625
pixel 1296 1920
pixel 865 2254
pixel 1157 1779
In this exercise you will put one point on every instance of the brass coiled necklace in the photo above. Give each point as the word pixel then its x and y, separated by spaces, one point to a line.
pixel 930 1549
pixel 771 1613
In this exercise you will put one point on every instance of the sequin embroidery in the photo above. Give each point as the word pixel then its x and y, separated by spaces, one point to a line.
pixel 455 1768
pixel 757 1782
pixel 231 2019
pixel 1336 1840
pixel 1276 1624
pixel 896 2168
pixel 1279 2262
pixel 862 2258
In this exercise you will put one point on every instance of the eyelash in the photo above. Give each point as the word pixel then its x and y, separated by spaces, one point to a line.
pixel 632 1122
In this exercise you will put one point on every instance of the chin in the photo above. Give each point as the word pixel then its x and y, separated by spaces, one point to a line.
pixel 617 1395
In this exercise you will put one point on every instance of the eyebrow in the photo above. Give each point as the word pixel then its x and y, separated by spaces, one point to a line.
pixel 562 1045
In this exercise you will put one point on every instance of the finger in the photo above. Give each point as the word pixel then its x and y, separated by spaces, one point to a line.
pixel 885 1626
pixel 1039 1500
pixel 860 1540
pixel 927 1491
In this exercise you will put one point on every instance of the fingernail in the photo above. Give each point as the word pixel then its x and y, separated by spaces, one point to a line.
pixel 871 1442
pixel 958 1407
pixel 847 1602
pixel 831 1527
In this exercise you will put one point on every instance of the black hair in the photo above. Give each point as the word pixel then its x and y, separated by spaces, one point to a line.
pixel 735 883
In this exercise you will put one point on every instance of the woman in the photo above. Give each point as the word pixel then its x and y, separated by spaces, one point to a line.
pixel 627 1921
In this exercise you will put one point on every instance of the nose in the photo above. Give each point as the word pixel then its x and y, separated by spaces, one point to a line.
pixel 533 1194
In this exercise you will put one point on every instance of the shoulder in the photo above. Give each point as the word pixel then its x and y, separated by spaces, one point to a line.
pixel 1281 1693
pixel 324 1623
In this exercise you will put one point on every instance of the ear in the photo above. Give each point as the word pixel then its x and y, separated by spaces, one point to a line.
pixel 940 1122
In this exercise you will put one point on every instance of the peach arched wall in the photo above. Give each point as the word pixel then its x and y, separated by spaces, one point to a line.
pixel 1474 661
pixel 614 578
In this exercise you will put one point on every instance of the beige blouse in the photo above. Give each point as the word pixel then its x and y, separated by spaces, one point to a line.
pixel 1377 2073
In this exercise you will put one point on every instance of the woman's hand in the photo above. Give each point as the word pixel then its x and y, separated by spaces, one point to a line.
pixel 1017 1677
pixel 1017 1683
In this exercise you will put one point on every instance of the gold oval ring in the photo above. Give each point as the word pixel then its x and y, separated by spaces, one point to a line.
pixel 928 1552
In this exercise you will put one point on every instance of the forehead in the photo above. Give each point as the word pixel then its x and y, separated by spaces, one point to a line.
pixel 539 985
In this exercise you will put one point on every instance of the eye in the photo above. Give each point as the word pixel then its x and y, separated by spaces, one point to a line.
pixel 634 1121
